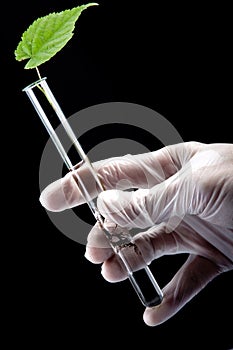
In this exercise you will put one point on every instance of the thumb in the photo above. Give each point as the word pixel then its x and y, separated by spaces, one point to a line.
pixel 192 277
pixel 146 207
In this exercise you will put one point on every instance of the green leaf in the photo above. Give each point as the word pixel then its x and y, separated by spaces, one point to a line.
pixel 47 35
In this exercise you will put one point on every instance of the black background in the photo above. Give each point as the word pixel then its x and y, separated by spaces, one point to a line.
pixel 173 59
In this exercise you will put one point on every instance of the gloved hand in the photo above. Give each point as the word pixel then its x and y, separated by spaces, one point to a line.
pixel 183 203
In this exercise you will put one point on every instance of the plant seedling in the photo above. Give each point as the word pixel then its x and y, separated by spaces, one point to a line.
pixel 48 35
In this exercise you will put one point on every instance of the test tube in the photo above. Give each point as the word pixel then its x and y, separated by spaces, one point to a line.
pixel 139 273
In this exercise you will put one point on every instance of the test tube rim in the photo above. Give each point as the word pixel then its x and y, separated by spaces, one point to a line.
pixel 35 83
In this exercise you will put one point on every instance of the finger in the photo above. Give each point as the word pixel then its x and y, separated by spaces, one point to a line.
pixel 145 208
pixel 159 240
pixel 113 269
pixel 130 171
pixel 192 277
pixel 156 242
pixel 98 248
pixel 151 244
pixel 176 196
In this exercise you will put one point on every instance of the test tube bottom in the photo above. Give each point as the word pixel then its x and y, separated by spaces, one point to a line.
pixel 146 287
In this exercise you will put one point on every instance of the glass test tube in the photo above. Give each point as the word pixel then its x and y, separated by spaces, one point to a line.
pixel 138 271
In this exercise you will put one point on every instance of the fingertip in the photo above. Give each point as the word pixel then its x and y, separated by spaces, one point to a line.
pixel 92 257
pixel 113 271
pixel 151 316
pixel 156 315
pixel 61 194
pixel 52 197
pixel 147 320
pixel 97 255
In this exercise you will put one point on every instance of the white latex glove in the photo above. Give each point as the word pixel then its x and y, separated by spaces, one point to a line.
pixel 183 203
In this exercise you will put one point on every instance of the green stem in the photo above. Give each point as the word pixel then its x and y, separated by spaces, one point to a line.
pixel 38 72
pixel 42 90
